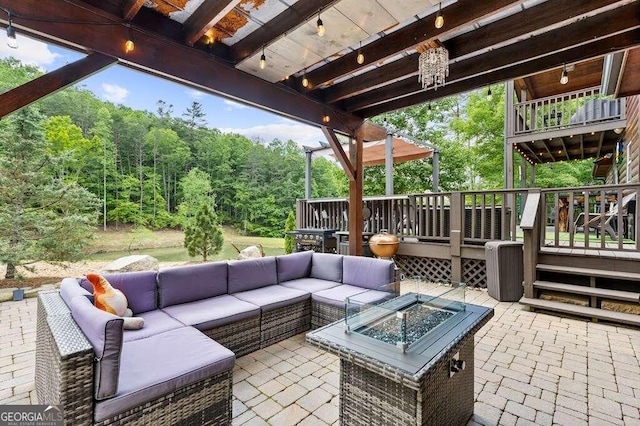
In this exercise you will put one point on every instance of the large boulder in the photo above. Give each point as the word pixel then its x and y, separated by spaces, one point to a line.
pixel 136 262
pixel 250 252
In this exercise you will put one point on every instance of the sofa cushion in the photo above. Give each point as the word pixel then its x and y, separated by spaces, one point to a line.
pixel 139 287
pixel 310 284
pixel 367 272
pixel 335 296
pixel 326 266
pixel 194 282
pixel 104 331
pixel 252 273
pixel 293 266
pixel 155 322
pixel 272 297
pixel 213 312
pixel 161 364
pixel 70 288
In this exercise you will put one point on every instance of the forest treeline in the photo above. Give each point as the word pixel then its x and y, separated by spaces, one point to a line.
pixel 143 165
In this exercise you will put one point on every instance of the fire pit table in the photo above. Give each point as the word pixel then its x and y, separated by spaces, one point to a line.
pixel 406 360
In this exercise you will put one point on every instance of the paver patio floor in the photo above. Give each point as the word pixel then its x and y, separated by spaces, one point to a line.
pixel 531 368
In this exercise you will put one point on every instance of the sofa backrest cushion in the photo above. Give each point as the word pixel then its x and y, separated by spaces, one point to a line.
pixel 326 266
pixel 70 288
pixel 294 266
pixel 190 283
pixel 252 273
pixel 367 272
pixel 104 331
pixel 139 287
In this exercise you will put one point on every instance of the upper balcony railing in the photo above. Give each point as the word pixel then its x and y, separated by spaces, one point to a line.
pixel 565 111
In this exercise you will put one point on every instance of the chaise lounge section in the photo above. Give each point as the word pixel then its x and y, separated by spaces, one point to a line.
pixel 198 319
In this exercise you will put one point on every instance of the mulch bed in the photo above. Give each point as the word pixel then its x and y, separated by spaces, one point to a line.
pixel 29 282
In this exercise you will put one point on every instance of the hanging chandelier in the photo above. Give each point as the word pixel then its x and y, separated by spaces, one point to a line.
pixel 433 65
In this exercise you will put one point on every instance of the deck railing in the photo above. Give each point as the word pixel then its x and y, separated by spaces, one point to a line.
pixel 590 217
pixel 483 215
pixel 567 110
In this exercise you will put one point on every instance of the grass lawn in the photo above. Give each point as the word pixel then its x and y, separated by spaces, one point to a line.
pixel 167 245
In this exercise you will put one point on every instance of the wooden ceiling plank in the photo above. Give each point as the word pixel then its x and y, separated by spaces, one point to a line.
pixel 578 32
pixel 339 153
pixel 130 9
pixel 459 14
pixel 208 14
pixel 599 47
pixel 176 62
pixel 53 81
pixel 581 136
pixel 285 22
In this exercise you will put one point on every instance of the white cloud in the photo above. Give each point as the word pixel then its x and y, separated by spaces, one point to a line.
pixel 195 94
pixel 302 134
pixel 114 93
pixel 231 105
pixel 29 51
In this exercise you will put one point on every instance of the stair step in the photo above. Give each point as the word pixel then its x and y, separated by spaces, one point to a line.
pixel 627 296
pixel 618 275
pixel 583 311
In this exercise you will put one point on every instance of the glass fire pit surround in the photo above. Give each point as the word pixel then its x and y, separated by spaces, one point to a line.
pixel 403 320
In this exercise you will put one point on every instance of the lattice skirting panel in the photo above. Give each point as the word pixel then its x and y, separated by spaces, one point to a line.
pixel 436 269
pixel 474 272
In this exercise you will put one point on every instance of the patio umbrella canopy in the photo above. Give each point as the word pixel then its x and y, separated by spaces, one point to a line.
pixel 374 152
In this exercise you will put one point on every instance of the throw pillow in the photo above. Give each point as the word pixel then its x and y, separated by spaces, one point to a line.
pixel 112 300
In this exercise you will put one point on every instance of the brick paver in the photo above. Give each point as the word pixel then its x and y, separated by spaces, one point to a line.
pixel 531 368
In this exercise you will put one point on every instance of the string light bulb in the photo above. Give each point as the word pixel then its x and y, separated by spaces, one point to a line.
pixel 489 94
pixel 360 58
pixel 263 60
pixel 326 118
pixel 12 41
pixel 320 25
pixel 129 45
pixel 305 80
pixel 564 79
pixel 439 23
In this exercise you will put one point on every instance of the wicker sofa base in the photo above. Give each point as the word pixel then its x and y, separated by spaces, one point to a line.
pixel 242 337
pixel 323 314
pixel 203 403
pixel 282 323
pixel 369 395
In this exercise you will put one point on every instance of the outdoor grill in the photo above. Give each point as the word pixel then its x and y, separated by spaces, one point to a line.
pixel 320 240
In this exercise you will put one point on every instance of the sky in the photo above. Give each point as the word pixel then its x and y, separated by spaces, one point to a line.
pixel 121 85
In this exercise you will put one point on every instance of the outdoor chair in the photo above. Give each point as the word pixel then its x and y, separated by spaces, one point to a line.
pixel 603 222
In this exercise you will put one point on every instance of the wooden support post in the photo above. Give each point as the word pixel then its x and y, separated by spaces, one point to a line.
pixel 508 130
pixel 457 234
pixel 530 224
pixel 352 166
pixel 355 194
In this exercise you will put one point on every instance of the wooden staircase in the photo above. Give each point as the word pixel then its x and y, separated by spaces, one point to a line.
pixel 588 285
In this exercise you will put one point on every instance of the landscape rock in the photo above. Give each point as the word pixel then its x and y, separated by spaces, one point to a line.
pixel 136 262
pixel 250 252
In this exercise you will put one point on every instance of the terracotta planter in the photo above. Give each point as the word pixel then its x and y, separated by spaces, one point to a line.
pixel 384 244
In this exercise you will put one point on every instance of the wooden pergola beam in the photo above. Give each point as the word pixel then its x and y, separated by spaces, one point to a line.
pixel 130 8
pixel 342 157
pixel 289 19
pixel 208 14
pixel 458 15
pixel 548 13
pixel 53 81
pixel 177 62
pixel 599 47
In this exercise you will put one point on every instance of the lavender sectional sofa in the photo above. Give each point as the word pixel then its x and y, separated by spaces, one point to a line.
pixel 178 368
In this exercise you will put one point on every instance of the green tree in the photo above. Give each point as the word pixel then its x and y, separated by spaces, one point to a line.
pixel 289 240
pixel 196 191
pixel 41 216
pixel 203 236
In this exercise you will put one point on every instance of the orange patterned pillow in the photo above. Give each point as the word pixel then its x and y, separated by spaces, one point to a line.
pixel 112 300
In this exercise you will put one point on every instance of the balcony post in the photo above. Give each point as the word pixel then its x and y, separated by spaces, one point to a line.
pixel 508 131
pixel 457 234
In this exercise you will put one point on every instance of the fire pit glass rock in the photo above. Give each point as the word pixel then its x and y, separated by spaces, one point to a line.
pixel 403 313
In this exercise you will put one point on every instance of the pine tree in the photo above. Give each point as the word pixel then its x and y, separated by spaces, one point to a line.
pixel 42 218
pixel 289 240
pixel 203 236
